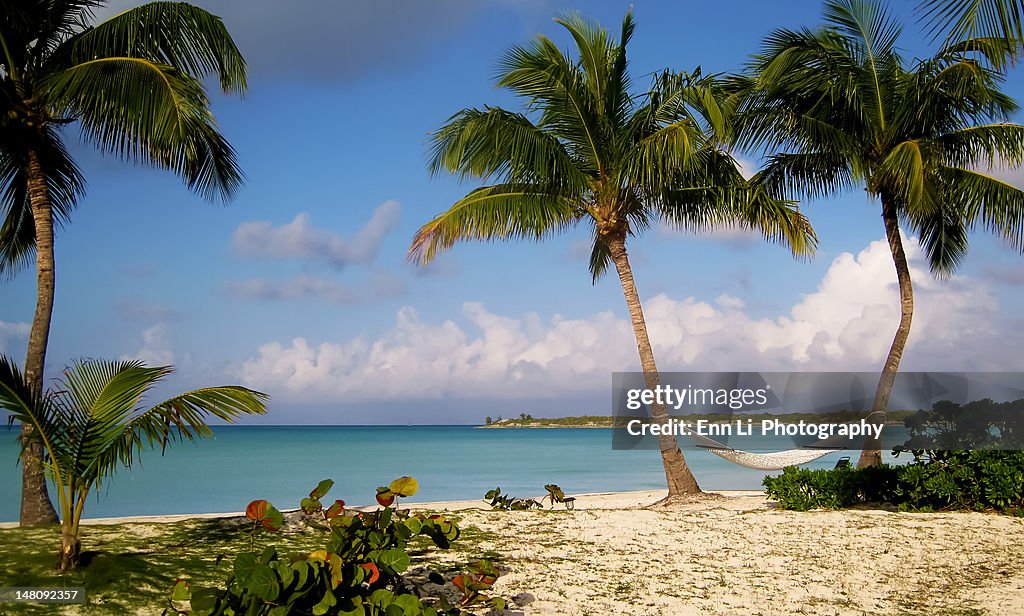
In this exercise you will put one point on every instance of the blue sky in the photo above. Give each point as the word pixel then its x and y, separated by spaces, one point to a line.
pixel 300 287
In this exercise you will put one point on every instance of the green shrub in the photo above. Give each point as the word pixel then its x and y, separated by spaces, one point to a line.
pixel 935 480
pixel 359 572
pixel 497 500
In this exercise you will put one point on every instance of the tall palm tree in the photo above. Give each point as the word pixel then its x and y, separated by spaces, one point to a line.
pixel 848 111
pixel 132 84
pixel 587 150
pixel 93 424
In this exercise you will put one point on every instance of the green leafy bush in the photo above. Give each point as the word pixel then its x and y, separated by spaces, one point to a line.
pixel 935 480
pixel 359 572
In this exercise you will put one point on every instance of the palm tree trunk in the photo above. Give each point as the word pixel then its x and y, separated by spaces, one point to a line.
pixel 681 481
pixel 871 455
pixel 36 509
pixel 70 548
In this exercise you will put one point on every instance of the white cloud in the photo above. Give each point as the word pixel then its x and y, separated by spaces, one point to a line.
pixel 155 349
pixel 748 167
pixel 300 240
pixel 12 335
pixel 845 324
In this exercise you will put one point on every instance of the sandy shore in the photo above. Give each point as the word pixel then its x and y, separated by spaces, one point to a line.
pixel 738 555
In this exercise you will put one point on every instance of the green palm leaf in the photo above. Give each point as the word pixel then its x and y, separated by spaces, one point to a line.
pixel 503 211
pixel 174 34
pixel 957 20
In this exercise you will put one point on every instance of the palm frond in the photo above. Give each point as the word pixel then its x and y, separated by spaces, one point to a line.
pixel 600 258
pixel 810 174
pixel 65 186
pixel 176 34
pixel 148 113
pixel 997 205
pixel 871 34
pixel 943 237
pixel 501 212
pixel 957 20
pixel 495 143
pixel 182 417
pixel 557 88
pixel 32 408
pixel 984 144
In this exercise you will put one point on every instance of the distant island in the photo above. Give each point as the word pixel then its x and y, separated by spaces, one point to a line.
pixel 525 420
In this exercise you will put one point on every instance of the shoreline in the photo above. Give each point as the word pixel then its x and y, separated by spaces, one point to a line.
pixel 586 501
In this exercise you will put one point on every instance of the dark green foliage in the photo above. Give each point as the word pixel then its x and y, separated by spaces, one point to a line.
pixel 510 503
pixel 981 424
pixel 935 480
pixel 359 571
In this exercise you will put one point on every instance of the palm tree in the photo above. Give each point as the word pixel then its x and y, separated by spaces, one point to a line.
pixel 587 150
pixel 133 86
pixel 847 111
pixel 92 425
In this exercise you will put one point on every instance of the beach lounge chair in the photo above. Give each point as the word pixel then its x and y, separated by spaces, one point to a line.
pixel 556 495
pixel 843 462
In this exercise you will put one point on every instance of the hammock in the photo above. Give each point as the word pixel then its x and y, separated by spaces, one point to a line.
pixel 774 461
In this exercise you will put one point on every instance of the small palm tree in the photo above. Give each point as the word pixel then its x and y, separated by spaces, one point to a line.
pixel 847 111
pixel 589 151
pixel 93 424
pixel 132 84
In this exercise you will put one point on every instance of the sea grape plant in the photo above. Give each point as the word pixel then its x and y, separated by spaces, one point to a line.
pixel 508 502
pixel 358 572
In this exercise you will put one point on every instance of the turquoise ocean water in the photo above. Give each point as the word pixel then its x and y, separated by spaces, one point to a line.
pixel 283 463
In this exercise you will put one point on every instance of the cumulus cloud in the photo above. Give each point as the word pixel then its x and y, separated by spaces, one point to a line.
pixel 155 348
pixel 845 324
pixel 379 285
pixel 13 335
pixel 300 240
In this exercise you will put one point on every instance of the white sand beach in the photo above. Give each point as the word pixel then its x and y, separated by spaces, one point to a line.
pixel 738 555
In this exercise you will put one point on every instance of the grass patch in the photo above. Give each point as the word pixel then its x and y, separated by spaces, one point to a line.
pixel 130 568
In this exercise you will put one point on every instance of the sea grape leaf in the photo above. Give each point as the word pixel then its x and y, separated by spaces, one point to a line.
pixel 245 563
pixel 263 583
pixel 180 592
pixel 325 604
pixel 395 559
pixel 321 489
pixel 404 486
pixel 310 505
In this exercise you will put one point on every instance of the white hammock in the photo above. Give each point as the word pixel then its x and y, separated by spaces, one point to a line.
pixel 774 461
